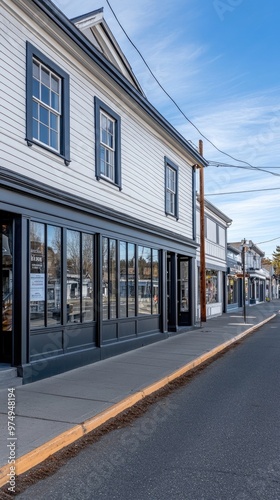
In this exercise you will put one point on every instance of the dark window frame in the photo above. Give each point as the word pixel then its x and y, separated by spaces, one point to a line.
pixel 170 164
pixel 64 144
pixel 101 106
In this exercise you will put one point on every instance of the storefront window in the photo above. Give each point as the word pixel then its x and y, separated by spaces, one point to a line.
pixel 127 279
pixel 73 277
pixel 113 279
pixel 37 275
pixel 87 277
pixel 144 280
pixel 53 275
pixel 131 278
pixel 211 286
pixel 46 280
pixel 184 285
pixel 232 290
pixel 105 277
pixel 109 278
pixel 155 267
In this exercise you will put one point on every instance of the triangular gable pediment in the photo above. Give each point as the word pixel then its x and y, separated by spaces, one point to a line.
pixel 95 28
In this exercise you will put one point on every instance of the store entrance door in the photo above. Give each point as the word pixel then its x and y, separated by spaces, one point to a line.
pixel 6 285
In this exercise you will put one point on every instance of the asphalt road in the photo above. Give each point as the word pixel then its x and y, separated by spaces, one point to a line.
pixel 215 438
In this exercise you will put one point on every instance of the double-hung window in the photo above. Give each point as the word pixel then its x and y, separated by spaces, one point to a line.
pixel 47 120
pixel 171 188
pixel 107 143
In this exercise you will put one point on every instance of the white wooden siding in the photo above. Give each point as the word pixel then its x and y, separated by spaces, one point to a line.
pixel 143 150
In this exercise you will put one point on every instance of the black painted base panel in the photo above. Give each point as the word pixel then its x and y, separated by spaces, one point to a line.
pixel 55 365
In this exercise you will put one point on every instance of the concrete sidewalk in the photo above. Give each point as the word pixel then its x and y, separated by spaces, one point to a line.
pixel 55 412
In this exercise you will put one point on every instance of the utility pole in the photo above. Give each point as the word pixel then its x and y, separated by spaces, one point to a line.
pixel 202 241
pixel 244 275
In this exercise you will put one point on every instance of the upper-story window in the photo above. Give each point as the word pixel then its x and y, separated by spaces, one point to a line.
pixel 107 143
pixel 47 88
pixel 211 230
pixel 171 188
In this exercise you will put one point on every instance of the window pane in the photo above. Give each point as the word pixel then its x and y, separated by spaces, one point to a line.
pixel 54 121
pixel 113 280
pixel 54 275
pixel 54 139
pixel 123 280
pixel 55 101
pixel 35 129
pixel 37 274
pixel 103 136
pixel 35 110
pixel 105 277
pixel 87 295
pixel 144 281
pixel 55 84
pixel 36 89
pixel 73 277
pixel 45 76
pixel 45 95
pixel 44 115
pixel 36 70
pixel 155 303
pixel 44 134
pixel 131 279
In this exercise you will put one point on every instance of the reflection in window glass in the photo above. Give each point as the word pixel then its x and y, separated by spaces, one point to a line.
pixel 123 279
pixel 37 274
pixel 131 279
pixel 73 277
pixel 6 277
pixel 87 288
pixel 113 280
pixel 127 279
pixel 184 286
pixel 211 286
pixel 54 275
pixel 105 277
pixel 155 302
pixel 144 281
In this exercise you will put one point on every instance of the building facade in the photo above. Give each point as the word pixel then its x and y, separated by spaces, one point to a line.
pixel 257 279
pixel 216 224
pixel 234 278
pixel 97 198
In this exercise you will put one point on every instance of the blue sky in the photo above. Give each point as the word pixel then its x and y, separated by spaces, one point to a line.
pixel 219 61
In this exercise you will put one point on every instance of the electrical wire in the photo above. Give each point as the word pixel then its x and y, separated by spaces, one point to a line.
pixel 268 241
pixel 221 164
pixel 171 98
pixel 246 191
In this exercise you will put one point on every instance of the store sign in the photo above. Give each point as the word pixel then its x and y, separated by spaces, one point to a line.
pixel 36 261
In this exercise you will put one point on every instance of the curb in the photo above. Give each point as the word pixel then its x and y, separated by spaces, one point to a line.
pixel 38 455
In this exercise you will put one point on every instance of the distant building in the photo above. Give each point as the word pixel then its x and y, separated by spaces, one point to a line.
pixel 216 224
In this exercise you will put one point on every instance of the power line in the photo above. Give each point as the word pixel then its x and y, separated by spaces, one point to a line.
pixel 268 241
pixel 246 191
pixel 228 165
pixel 171 98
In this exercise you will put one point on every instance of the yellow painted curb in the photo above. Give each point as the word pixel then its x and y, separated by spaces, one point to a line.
pixel 38 455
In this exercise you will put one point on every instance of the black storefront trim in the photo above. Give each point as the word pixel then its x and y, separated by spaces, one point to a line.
pixel 36 189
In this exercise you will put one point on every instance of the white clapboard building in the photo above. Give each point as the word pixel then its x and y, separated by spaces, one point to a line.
pixel 97 198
